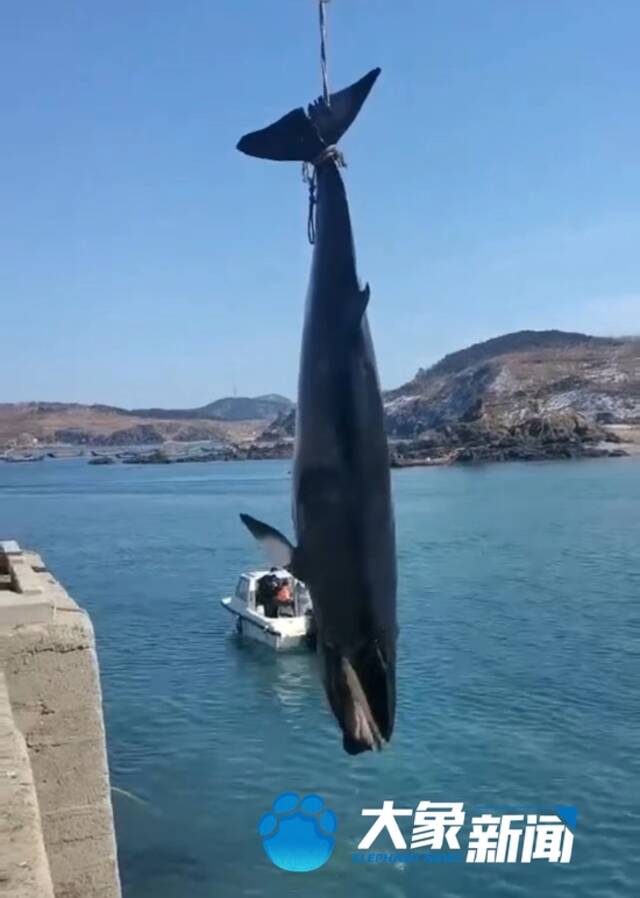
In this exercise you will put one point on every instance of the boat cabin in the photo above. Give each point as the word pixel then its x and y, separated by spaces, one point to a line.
pixel 253 590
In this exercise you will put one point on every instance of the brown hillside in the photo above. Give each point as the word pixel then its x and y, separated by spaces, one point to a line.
pixel 23 423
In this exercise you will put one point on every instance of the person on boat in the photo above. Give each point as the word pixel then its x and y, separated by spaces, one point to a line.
pixel 283 595
pixel 284 592
pixel 267 588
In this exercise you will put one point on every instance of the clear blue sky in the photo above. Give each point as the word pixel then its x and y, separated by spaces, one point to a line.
pixel 494 179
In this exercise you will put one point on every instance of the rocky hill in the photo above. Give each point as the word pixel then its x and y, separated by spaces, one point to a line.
pixel 530 394
pixel 228 420
pixel 30 423
pixel 519 376
pixel 230 408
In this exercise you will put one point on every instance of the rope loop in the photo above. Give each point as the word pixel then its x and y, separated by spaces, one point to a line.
pixel 309 178
pixel 330 154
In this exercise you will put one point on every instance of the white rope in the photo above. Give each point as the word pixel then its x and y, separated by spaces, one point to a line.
pixel 323 52
pixel 309 170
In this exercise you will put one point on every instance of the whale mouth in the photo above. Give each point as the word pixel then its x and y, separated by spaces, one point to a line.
pixel 360 730
pixel 361 692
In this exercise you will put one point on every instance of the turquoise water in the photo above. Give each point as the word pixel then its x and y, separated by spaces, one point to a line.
pixel 518 670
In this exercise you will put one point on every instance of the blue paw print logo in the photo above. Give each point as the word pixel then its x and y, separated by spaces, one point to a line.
pixel 298 836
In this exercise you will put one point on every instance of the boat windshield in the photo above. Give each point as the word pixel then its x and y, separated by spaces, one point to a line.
pixel 303 599
pixel 242 589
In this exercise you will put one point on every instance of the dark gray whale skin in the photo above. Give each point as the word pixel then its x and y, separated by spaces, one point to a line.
pixel 342 507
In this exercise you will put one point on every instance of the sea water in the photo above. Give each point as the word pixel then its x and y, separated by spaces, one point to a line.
pixel 518 671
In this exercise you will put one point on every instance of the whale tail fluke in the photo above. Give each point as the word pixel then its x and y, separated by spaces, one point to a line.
pixel 361 692
pixel 303 136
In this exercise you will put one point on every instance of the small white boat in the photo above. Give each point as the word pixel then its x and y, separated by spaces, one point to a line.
pixel 287 627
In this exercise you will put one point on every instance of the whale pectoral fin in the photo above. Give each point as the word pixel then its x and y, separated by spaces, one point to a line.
pixel 278 548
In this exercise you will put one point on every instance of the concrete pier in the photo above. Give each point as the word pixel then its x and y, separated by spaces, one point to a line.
pixel 56 820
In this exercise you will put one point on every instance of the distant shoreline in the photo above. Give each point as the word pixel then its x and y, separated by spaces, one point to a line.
pixel 402 454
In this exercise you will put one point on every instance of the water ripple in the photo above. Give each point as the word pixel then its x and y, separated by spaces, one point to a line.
pixel 518 670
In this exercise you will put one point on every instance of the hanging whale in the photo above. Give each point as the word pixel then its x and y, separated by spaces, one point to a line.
pixel 342 508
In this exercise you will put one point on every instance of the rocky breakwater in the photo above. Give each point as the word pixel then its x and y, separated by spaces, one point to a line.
pixel 161 456
pixel 537 438
pixel 275 442
pixel 56 819
pixel 165 456
pixel 270 450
